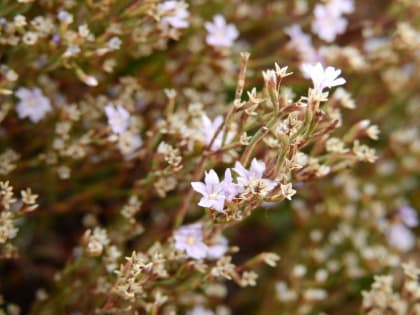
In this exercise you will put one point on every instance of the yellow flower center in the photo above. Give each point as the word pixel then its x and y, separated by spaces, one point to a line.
pixel 190 240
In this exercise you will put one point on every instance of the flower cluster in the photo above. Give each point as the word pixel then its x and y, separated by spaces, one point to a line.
pixel 215 192
pixel 155 159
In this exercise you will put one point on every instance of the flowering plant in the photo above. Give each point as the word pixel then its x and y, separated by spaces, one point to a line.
pixel 209 157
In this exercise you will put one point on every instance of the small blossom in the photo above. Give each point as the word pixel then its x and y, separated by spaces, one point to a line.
pixel 72 50
pixel 33 104
pixel 174 13
pixel 270 259
pixel 323 78
pixel 373 132
pixel 230 189
pixel 212 191
pixel 20 20
pixel 288 191
pixel 114 43
pixel 218 248
pixel 65 17
pixel 341 6
pixel 302 43
pixel 220 34
pixel 249 278
pixel 253 178
pixel 118 118
pixel 283 293
pixel 400 237
pixel 209 129
pixel 408 216
pixel 30 38
pixel 328 23
pixel 128 143
pixel 90 80
pixel 189 238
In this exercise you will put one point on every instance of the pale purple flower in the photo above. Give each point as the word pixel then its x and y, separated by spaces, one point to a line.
pixel 400 237
pixel 302 43
pixel 341 6
pixel 72 50
pixel 32 104
pixel 189 238
pixel 253 177
pixel 218 248
pixel 220 34
pixel 408 216
pixel 230 189
pixel 209 129
pixel 65 17
pixel 128 143
pixel 323 78
pixel 328 23
pixel 199 310
pixel 212 191
pixel 118 118
pixel 114 43
pixel 174 14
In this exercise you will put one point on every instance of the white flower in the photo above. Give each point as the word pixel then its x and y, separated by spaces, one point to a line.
pixel 327 23
pixel 118 118
pixel 189 238
pixel 322 78
pixel 174 13
pixel 32 104
pixel 220 34
pixel 287 190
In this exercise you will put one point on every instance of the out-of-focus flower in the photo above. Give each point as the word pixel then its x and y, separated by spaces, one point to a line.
pixel 174 13
pixel 218 248
pixel 189 238
pixel 220 34
pixel 323 78
pixel 408 216
pixel 253 178
pixel 72 50
pixel 33 104
pixel 199 310
pixel 128 143
pixel 328 23
pixel 302 43
pixel 114 43
pixel 341 6
pixel 65 17
pixel 210 128
pixel 400 237
pixel 212 191
pixel 118 118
